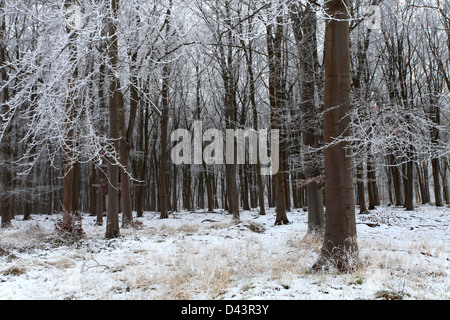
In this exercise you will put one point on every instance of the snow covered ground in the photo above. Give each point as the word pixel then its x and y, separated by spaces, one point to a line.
pixel 208 256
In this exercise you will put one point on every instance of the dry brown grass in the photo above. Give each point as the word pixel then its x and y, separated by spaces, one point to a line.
pixel 222 259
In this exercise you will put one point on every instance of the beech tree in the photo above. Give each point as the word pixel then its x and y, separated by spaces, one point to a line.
pixel 70 169
pixel 340 247
pixel 275 28
pixel 116 105
pixel 305 30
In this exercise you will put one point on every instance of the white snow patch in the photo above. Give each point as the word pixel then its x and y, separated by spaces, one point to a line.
pixel 199 255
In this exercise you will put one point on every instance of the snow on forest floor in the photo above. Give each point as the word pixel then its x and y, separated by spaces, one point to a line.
pixel 207 256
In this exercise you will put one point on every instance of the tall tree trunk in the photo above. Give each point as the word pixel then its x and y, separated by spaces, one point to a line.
pixel 69 172
pixel 162 189
pixel 145 141
pixel 6 155
pixel 101 180
pixel 227 68
pixel 274 46
pixel 340 245
pixel 163 183
pixel 248 52
pixel 435 116
pixel 304 27
pixel 115 107
pixel 356 81
pixel 125 148
pixel 126 144
pixel 6 143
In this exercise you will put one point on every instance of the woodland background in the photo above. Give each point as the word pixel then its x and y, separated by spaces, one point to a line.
pixel 90 83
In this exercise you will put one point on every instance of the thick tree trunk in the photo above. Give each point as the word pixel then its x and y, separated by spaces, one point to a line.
pixel 305 23
pixel 340 246
pixel 69 170
pixel 230 123
pixel 115 107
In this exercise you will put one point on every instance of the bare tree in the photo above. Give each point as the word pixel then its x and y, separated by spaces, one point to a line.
pixel 116 105
pixel 163 183
pixel 5 145
pixel 275 35
pixel 70 169
pixel 305 28
pixel 340 246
